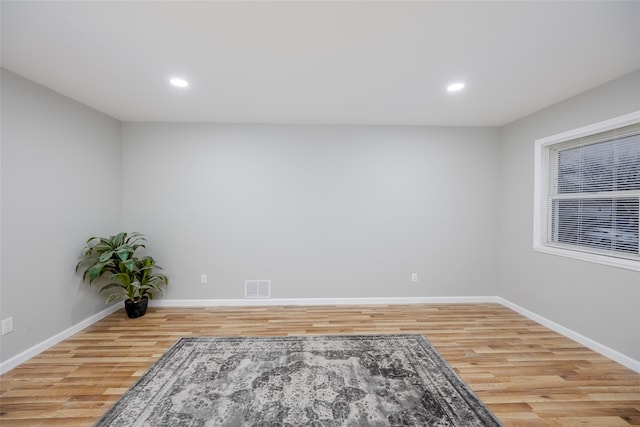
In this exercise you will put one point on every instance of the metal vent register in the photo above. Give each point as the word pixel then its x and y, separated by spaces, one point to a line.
pixel 257 288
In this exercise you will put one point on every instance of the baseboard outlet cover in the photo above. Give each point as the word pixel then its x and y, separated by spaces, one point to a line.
pixel 19 358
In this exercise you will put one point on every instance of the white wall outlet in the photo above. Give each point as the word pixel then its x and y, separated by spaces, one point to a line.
pixel 203 279
pixel 7 325
pixel 414 277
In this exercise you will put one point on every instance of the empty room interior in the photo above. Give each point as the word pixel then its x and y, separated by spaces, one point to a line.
pixel 326 168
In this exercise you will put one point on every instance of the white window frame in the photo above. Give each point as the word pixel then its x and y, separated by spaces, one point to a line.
pixel 541 188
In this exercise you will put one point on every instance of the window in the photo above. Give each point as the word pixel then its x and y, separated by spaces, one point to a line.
pixel 587 193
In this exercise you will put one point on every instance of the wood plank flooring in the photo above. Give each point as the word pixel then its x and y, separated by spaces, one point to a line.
pixel 525 373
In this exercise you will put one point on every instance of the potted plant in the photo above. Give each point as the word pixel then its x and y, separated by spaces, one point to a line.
pixel 133 279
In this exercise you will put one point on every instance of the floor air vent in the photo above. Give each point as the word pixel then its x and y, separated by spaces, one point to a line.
pixel 257 288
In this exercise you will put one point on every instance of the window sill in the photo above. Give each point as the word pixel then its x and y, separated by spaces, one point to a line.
pixel 583 256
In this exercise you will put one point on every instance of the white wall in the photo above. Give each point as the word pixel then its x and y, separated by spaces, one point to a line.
pixel 599 302
pixel 331 211
pixel 60 185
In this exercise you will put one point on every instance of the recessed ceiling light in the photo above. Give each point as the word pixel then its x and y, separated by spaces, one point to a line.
pixel 455 87
pixel 179 82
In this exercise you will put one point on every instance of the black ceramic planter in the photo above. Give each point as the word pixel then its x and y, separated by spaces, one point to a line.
pixel 136 308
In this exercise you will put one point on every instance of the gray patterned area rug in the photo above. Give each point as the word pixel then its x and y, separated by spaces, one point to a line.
pixel 359 380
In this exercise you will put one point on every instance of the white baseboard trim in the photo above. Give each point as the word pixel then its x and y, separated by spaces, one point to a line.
pixel 319 301
pixel 19 358
pixel 587 342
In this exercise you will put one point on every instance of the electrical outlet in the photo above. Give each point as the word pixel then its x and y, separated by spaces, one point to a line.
pixel 414 277
pixel 7 325
pixel 203 279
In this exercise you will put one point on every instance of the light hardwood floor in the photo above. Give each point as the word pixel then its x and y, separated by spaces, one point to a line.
pixel 525 373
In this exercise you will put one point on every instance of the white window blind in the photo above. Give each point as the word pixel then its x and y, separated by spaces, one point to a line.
pixel 591 193
pixel 595 195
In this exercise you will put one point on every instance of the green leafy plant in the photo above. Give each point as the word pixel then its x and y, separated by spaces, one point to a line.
pixel 140 282
pixel 131 277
